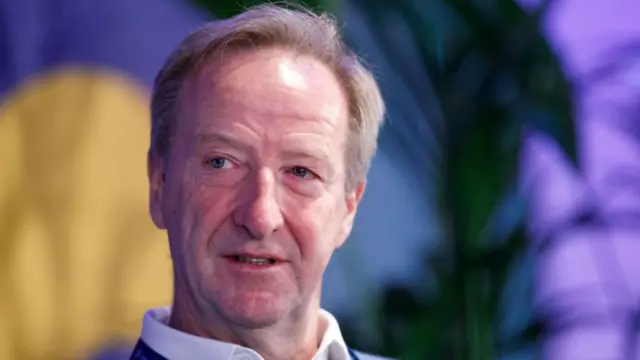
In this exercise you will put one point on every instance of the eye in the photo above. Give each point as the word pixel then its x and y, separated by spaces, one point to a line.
pixel 302 172
pixel 219 163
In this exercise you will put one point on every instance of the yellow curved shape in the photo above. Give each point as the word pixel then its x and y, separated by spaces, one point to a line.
pixel 80 260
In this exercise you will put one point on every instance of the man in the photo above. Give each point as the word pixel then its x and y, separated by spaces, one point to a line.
pixel 263 129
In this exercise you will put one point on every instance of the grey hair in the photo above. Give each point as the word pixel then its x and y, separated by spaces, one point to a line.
pixel 270 25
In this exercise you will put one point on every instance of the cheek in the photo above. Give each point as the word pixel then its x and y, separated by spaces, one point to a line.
pixel 200 212
pixel 208 210
pixel 314 226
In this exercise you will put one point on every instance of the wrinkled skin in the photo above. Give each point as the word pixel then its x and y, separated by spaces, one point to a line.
pixel 257 166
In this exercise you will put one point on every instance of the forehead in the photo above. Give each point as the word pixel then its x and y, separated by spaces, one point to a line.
pixel 271 84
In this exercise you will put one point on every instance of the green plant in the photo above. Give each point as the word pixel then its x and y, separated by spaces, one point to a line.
pixel 495 78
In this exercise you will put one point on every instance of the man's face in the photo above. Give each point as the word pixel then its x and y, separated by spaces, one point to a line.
pixel 252 193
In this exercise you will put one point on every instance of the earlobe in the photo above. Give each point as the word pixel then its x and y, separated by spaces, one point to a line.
pixel 352 201
pixel 155 173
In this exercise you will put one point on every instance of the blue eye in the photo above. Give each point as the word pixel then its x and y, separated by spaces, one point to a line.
pixel 219 163
pixel 301 172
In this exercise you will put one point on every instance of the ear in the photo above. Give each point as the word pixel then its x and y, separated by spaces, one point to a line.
pixel 155 173
pixel 352 200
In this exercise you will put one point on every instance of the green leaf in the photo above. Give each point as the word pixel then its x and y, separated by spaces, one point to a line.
pixel 433 328
pixel 479 170
pixel 508 218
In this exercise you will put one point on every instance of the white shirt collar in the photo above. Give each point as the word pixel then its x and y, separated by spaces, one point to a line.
pixel 176 345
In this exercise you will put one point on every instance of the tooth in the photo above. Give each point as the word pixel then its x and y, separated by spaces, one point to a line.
pixel 255 261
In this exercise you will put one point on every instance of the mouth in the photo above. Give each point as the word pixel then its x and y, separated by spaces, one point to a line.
pixel 254 260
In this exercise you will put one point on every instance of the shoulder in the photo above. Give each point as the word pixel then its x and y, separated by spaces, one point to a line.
pixel 365 356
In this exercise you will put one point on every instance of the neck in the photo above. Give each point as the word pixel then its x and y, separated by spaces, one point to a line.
pixel 296 337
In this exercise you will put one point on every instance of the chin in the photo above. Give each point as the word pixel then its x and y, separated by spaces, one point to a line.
pixel 253 310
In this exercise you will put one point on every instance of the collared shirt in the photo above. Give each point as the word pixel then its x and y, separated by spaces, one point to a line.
pixel 176 345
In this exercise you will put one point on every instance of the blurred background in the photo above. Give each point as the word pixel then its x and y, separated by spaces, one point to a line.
pixel 502 216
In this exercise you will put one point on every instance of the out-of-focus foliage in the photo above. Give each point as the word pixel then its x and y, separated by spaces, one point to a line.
pixel 621 67
pixel 495 78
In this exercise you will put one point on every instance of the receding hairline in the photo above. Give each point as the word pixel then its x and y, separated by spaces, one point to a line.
pixel 208 71
pixel 265 26
pixel 212 63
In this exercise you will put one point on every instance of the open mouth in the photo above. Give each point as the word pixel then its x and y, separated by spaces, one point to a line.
pixel 253 260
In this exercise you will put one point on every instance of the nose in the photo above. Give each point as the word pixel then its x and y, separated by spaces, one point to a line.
pixel 258 210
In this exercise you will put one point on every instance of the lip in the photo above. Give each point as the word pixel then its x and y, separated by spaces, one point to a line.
pixel 262 255
pixel 244 267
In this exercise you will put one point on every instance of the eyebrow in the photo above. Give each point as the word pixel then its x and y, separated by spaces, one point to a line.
pixel 219 138
pixel 229 139
pixel 307 153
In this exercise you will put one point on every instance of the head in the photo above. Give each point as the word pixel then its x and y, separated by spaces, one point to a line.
pixel 263 129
